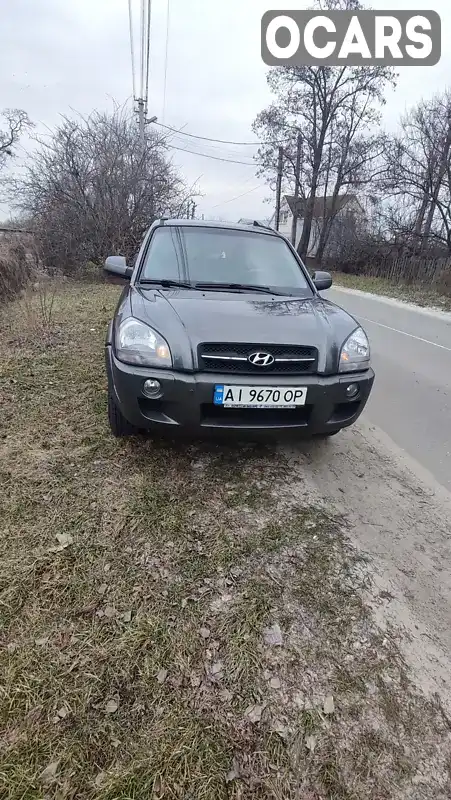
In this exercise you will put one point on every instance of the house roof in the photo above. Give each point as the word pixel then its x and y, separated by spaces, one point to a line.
pixel 248 221
pixel 318 209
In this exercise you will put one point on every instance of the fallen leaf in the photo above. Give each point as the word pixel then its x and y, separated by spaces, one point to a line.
pixel 107 567
pixel 329 705
pixel 216 668
pixel 111 707
pixel 62 712
pixel 127 616
pixel 273 636
pixel 100 778
pixel 226 696
pixel 110 612
pixel 254 713
pixel 274 683
pixel 47 775
pixel 41 642
pixel 64 539
pixel 102 588
pixel 194 680
pixel 204 632
pixel 280 728
pixel 234 772
pixel 115 743
pixel 310 743
pixel 87 609
pixel 162 675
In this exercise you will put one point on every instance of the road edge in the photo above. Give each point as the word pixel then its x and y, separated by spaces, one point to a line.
pixel 429 311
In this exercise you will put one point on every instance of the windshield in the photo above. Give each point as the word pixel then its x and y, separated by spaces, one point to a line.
pixel 218 255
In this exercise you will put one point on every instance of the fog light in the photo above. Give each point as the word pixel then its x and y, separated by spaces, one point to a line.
pixel 352 390
pixel 152 388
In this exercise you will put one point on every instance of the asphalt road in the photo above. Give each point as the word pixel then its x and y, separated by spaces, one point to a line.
pixel 411 398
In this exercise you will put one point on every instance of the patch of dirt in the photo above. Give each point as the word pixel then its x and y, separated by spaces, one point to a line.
pixel 400 519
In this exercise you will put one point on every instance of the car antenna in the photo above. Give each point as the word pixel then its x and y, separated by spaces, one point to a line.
pixel 258 224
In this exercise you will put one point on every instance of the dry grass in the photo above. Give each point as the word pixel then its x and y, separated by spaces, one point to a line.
pixel 137 582
pixel 421 295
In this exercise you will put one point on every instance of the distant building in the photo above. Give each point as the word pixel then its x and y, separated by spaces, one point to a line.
pixel 348 213
pixel 245 221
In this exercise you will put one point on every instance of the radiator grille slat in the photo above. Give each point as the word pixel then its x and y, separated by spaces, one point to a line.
pixel 233 357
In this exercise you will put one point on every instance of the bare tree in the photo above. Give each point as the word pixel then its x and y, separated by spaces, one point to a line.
pixel 334 109
pixel 418 168
pixel 91 189
pixel 15 123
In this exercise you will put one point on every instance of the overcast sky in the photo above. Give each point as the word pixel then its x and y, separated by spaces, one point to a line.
pixel 57 55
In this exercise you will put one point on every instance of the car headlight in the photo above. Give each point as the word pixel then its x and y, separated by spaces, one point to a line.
pixel 355 353
pixel 137 343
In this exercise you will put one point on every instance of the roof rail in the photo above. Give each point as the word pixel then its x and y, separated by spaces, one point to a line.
pixel 258 224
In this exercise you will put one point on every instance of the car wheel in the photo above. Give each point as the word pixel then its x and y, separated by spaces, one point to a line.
pixel 118 424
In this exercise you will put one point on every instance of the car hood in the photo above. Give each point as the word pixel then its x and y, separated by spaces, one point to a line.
pixel 187 318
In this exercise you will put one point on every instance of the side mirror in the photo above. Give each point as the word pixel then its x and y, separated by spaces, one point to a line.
pixel 322 280
pixel 117 265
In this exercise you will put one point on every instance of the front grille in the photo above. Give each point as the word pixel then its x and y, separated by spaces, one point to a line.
pixel 217 416
pixel 228 357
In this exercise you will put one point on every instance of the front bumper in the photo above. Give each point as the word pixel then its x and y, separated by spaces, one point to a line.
pixel 186 403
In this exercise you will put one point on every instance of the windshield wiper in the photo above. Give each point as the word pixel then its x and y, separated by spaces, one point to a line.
pixel 167 283
pixel 236 286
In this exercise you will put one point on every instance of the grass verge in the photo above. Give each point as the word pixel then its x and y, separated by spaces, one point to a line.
pixel 174 623
pixel 420 295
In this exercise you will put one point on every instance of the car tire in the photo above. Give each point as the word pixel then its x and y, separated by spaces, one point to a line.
pixel 118 424
pixel 327 435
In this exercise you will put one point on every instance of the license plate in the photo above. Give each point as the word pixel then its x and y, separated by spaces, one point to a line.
pixel 259 396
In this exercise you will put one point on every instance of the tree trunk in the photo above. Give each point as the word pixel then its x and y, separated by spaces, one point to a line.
pixel 310 205
pixel 421 214
pixel 437 187
pixel 323 239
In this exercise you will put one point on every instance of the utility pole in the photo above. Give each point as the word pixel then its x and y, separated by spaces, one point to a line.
pixel 141 123
pixel 279 186
pixel 297 181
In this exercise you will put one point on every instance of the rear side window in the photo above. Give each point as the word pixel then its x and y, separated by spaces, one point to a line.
pixel 162 257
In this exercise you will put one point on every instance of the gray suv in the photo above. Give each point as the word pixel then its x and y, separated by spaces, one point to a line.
pixel 220 328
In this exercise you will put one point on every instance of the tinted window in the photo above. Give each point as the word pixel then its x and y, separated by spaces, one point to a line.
pixel 218 255
pixel 162 259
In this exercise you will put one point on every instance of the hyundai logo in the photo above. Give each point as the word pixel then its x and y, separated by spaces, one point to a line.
pixel 261 359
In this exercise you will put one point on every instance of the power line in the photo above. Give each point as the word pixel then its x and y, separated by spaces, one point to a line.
pixel 219 141
pixel 149 18
pixel 143 45
pixel 168 12
pixel 238 196
pixel 132 47
pixel 215 158
pixel 219 150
